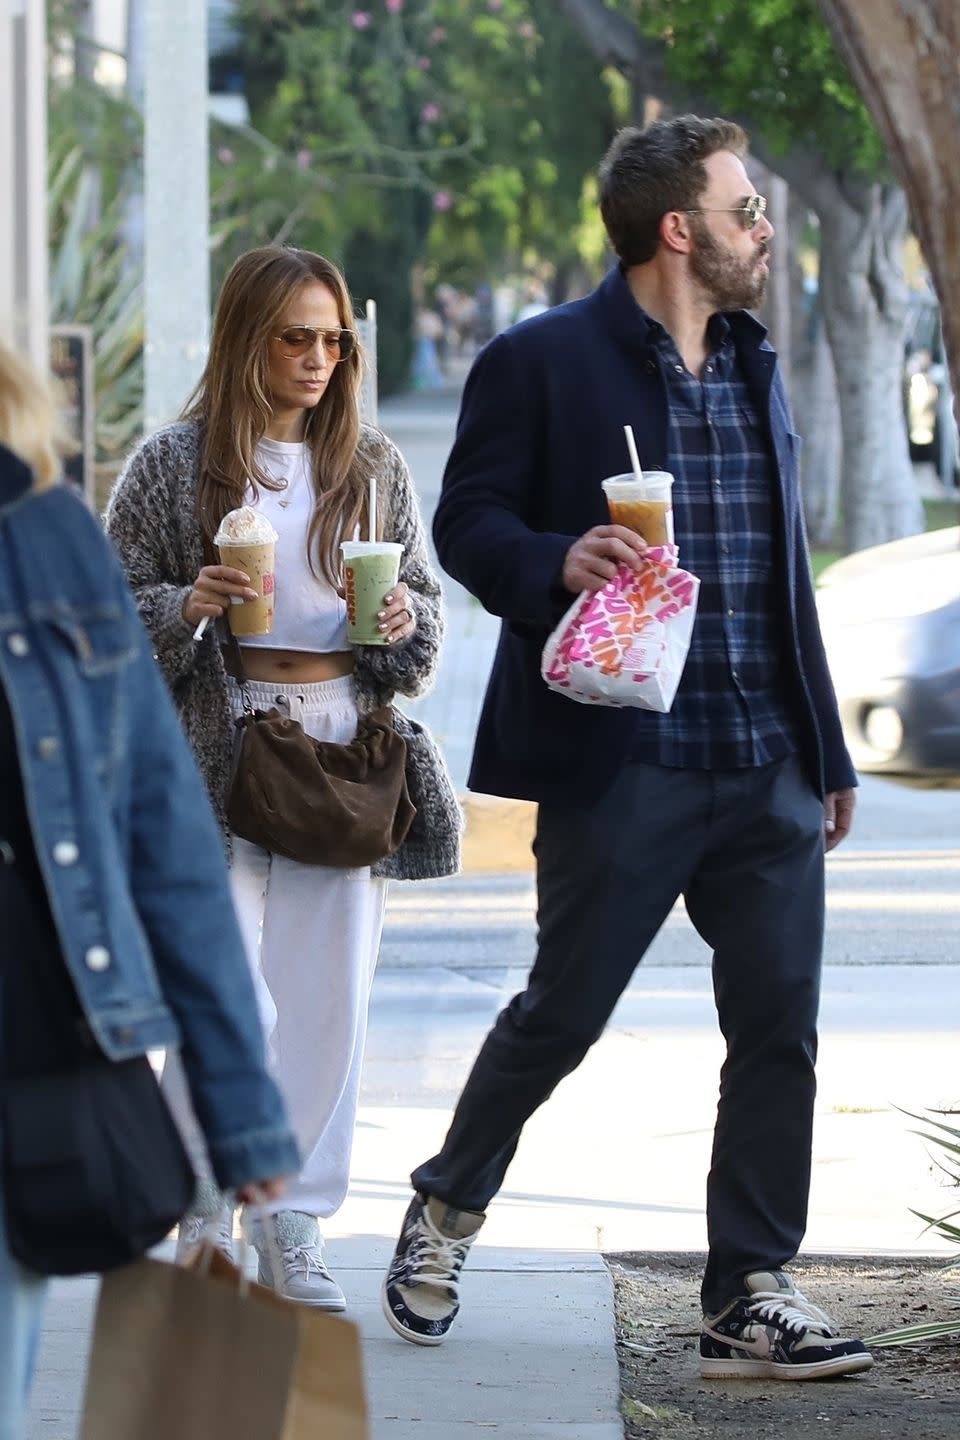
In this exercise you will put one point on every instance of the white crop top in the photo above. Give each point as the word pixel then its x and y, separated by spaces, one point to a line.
pixel 309 614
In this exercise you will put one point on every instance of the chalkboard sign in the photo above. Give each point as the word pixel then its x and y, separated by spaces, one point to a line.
pixel 71 361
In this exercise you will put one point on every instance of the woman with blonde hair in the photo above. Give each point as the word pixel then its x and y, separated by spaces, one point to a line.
pixel 119 930
pixel 30 422
pixel 274 424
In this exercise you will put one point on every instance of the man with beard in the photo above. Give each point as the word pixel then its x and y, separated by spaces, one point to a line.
pixel 730 800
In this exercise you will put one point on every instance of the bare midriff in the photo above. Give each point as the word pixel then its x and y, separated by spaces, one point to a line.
pixel 292 667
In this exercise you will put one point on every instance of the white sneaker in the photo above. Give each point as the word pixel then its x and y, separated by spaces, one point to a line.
pixel 305 1279
pixel 194 1228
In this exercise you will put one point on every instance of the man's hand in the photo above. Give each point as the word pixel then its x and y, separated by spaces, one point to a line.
pixel 838 808
pixel 593 559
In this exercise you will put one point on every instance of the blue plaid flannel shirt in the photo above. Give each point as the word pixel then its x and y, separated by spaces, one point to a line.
pixel 731 707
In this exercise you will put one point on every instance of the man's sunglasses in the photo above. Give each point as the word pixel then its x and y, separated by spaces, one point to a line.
pixel 749 212
pixel 296 340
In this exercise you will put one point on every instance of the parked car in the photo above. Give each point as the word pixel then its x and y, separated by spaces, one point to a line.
pixel 890 617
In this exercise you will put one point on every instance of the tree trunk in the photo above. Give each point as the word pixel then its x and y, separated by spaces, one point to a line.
pixel 864 309
pixel 903 55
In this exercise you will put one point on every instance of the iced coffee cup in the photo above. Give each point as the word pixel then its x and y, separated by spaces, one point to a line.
pixel 642 505
pixel 247 542
pixel 371 568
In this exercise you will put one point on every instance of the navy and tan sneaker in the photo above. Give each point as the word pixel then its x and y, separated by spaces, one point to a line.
pixel 420 1292
pixel 774 1332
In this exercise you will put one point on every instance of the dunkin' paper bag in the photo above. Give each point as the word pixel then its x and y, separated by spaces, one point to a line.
pixel 627 644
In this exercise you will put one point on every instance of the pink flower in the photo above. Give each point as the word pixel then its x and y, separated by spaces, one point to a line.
pixel 437 34
pixel 430 112
pixel 494 4
pixel 424 63
pixel 225 155
pixel 526 31
pixel 442 200
pixel 303 159
pixel 360 19
pixel 395 6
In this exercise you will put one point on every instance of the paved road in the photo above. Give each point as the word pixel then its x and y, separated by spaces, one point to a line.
pixel 617 1159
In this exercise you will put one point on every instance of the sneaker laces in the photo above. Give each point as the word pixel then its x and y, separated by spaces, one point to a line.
pixel 788 1314
pixel 436 1258
pixel 303 1257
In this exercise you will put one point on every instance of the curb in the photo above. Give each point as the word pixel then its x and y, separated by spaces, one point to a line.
pixel 498 835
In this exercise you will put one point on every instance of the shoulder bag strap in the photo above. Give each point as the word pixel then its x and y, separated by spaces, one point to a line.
pixel 241 675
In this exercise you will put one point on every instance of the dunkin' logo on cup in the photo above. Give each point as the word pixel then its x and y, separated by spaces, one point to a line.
pixel 268 583
pixel 351 596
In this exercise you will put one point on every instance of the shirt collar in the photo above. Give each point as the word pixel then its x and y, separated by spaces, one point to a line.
pixel 633 327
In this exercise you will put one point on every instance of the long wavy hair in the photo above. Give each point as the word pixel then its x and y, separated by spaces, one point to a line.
pixel 232 403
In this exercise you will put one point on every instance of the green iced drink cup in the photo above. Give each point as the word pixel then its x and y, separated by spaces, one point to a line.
pixel 371 568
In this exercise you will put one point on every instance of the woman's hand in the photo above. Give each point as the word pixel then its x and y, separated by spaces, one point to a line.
pixel 211 592
pixel 261 1192
pixel 397 619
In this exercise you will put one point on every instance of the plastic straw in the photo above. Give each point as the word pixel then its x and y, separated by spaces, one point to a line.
pixel 632 447
pixel 198 633
pixel 372 508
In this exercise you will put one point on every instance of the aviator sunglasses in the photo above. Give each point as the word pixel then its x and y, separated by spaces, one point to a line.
pixel 296 340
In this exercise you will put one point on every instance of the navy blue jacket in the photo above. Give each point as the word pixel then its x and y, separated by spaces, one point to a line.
pixel 541 425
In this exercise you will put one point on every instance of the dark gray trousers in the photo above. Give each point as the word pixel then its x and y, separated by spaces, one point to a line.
pixel 745 849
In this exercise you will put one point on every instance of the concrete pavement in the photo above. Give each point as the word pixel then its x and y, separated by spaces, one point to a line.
pixel 617 1159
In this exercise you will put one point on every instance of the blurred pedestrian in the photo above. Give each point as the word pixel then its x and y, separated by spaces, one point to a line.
pixel 119 930
pixel 535 303
pixel 275 424
pixel 728 800
pixel 426 357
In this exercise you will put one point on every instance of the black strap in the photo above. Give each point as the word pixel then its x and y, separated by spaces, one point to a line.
pixel 241 676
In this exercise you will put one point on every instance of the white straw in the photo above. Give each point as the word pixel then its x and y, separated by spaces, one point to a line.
pixel 632 447
pixel 372 508
pixel 198 633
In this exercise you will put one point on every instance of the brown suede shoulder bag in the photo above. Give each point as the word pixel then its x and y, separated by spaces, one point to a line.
pixel 313 800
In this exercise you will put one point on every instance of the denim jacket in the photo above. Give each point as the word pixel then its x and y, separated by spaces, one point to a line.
pixel 126 842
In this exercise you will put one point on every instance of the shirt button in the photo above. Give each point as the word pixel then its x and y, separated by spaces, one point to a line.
pixel 47 747
pixel 679 369
pixel 725 549
pixel 731 613
pixel 97 957
pixel 18 644
pixel 65 853
pixel 709 369
pixel 716 479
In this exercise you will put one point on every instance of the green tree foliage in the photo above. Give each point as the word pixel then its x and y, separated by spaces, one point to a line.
pixel 773 60
pixel 458 130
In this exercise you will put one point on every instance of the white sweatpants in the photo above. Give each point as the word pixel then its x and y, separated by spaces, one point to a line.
pixel 312 935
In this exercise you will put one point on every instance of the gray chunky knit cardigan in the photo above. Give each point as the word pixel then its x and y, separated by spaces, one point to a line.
pixel 152 520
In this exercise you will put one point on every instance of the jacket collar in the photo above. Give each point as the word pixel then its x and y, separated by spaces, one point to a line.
pixel 15 478
pixel 633 328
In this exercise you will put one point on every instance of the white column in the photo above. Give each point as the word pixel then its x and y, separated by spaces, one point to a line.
pixel 24 307
pixel 177 266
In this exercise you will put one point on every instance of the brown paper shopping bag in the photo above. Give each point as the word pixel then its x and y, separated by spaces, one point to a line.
pixel 181 1355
